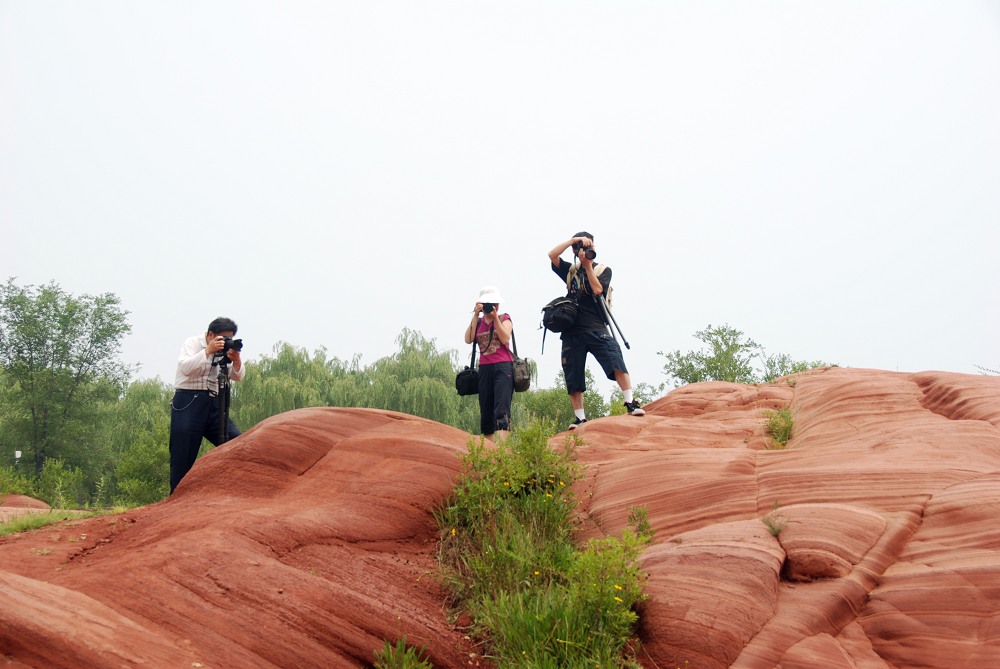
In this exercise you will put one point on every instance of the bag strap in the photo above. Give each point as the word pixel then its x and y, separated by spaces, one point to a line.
pixel 472 360
pixel 513 340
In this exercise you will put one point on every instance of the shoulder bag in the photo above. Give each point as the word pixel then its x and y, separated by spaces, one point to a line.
pixel 522 368
pixel 467 380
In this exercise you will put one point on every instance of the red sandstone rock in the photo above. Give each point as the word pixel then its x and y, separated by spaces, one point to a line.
pixel 888 492
pixel 309 540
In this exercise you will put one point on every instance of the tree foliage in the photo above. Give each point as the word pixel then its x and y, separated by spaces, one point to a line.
pixel 90 438
pixel 59 355
pixel 728 355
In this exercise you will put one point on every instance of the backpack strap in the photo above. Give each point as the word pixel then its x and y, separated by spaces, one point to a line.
pixel 573 274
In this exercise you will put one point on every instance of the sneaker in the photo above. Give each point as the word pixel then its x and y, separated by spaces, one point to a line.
pixel 577 423
pixel 634 408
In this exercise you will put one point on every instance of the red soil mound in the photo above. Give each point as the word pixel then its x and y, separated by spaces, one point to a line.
pixel 309 540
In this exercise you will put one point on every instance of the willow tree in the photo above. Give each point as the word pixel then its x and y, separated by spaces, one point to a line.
pixel 138 433
pixel 293 379
pixel 419 380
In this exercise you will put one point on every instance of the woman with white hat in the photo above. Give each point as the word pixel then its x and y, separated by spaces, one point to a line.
pixel 496 363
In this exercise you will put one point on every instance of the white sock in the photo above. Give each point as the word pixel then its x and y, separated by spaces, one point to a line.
pixel 580 413
pixel 628 396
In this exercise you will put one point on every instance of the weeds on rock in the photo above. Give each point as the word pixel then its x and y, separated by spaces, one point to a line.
pixel 778 426
pixel 774 521
pixel 401 656
pixel 509 558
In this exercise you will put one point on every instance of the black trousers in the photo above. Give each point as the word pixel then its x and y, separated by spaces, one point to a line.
pixel 496 390
pixel 194 415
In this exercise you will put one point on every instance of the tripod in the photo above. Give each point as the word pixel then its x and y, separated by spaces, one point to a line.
pixel 609 319
pixel 223 395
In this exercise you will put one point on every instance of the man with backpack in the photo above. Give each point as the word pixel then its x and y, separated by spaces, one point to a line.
pixel 588 282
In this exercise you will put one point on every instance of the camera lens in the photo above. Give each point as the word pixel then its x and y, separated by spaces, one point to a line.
pixel 488 308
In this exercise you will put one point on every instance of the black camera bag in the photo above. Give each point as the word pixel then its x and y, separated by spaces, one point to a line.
pixel 467 380
pixel 559 315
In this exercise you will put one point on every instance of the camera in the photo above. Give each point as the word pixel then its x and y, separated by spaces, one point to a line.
pixel 232 345
pixel 590 253
pixel 489 307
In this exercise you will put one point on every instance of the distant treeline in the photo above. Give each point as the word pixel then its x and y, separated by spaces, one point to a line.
pixel 88 435
pixel 76 430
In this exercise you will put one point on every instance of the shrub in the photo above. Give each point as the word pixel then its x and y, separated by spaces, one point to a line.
pixel 778 426
pixel 774 521
pixel 509 558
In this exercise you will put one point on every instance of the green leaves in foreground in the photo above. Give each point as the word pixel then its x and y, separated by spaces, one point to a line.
pixel 401 656
pixel 778 426
pixel 509 557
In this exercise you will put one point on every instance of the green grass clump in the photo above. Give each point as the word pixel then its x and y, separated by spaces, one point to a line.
pixel 774 521
pixel 401 656
pixel 26 522
pixel 509 557
pixel 778 426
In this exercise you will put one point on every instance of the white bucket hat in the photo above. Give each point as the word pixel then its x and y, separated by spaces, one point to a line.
pixel 489 294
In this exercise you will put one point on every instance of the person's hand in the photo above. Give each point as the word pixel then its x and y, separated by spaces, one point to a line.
pixel 234 356
pixel 215 345
pixel 478 309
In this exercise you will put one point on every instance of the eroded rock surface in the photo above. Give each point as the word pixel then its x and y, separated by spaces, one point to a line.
pixel 871 541
pixel 884 504
pixel 306 542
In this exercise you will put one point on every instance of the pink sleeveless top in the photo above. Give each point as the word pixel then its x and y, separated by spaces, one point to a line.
pixel 495 351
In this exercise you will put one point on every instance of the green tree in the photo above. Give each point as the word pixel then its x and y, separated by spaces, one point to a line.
pixel 294 379
pixel 59 354
pixel 782 364
pixel 418 379
pixel 142 472
pixel 139 434
pixel 730 356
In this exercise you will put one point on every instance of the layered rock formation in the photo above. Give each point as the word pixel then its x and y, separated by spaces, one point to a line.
pixel 884 502
pixel 870 541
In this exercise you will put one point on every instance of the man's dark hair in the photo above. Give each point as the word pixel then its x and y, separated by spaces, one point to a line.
pixel 584 234
pixel 222 324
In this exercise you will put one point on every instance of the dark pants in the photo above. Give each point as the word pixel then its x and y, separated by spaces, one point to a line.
pixel 194 415
pixel 496 389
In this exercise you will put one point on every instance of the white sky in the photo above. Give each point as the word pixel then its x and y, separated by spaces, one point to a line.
pixel 821 175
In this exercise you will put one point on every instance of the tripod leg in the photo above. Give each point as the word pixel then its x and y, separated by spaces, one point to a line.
pixel 611 320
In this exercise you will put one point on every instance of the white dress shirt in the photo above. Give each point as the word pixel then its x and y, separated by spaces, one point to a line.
pixel 195 370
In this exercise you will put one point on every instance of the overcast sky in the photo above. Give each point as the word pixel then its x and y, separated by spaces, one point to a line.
pixel 824 176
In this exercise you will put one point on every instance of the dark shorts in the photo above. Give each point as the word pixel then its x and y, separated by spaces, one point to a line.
pixel 575 348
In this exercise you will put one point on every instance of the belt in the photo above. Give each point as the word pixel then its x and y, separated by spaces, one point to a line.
pixel 188 390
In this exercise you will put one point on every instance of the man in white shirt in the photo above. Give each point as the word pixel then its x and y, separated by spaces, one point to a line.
pixel 197 408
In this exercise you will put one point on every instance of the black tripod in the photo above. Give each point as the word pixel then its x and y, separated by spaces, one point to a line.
pixel 609 319
pixel 223 396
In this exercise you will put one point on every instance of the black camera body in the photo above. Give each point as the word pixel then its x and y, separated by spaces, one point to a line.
pixel 590 253
pixel 232 344
pixel 489 308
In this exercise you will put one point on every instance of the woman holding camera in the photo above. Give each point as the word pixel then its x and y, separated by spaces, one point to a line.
pixel 491 331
